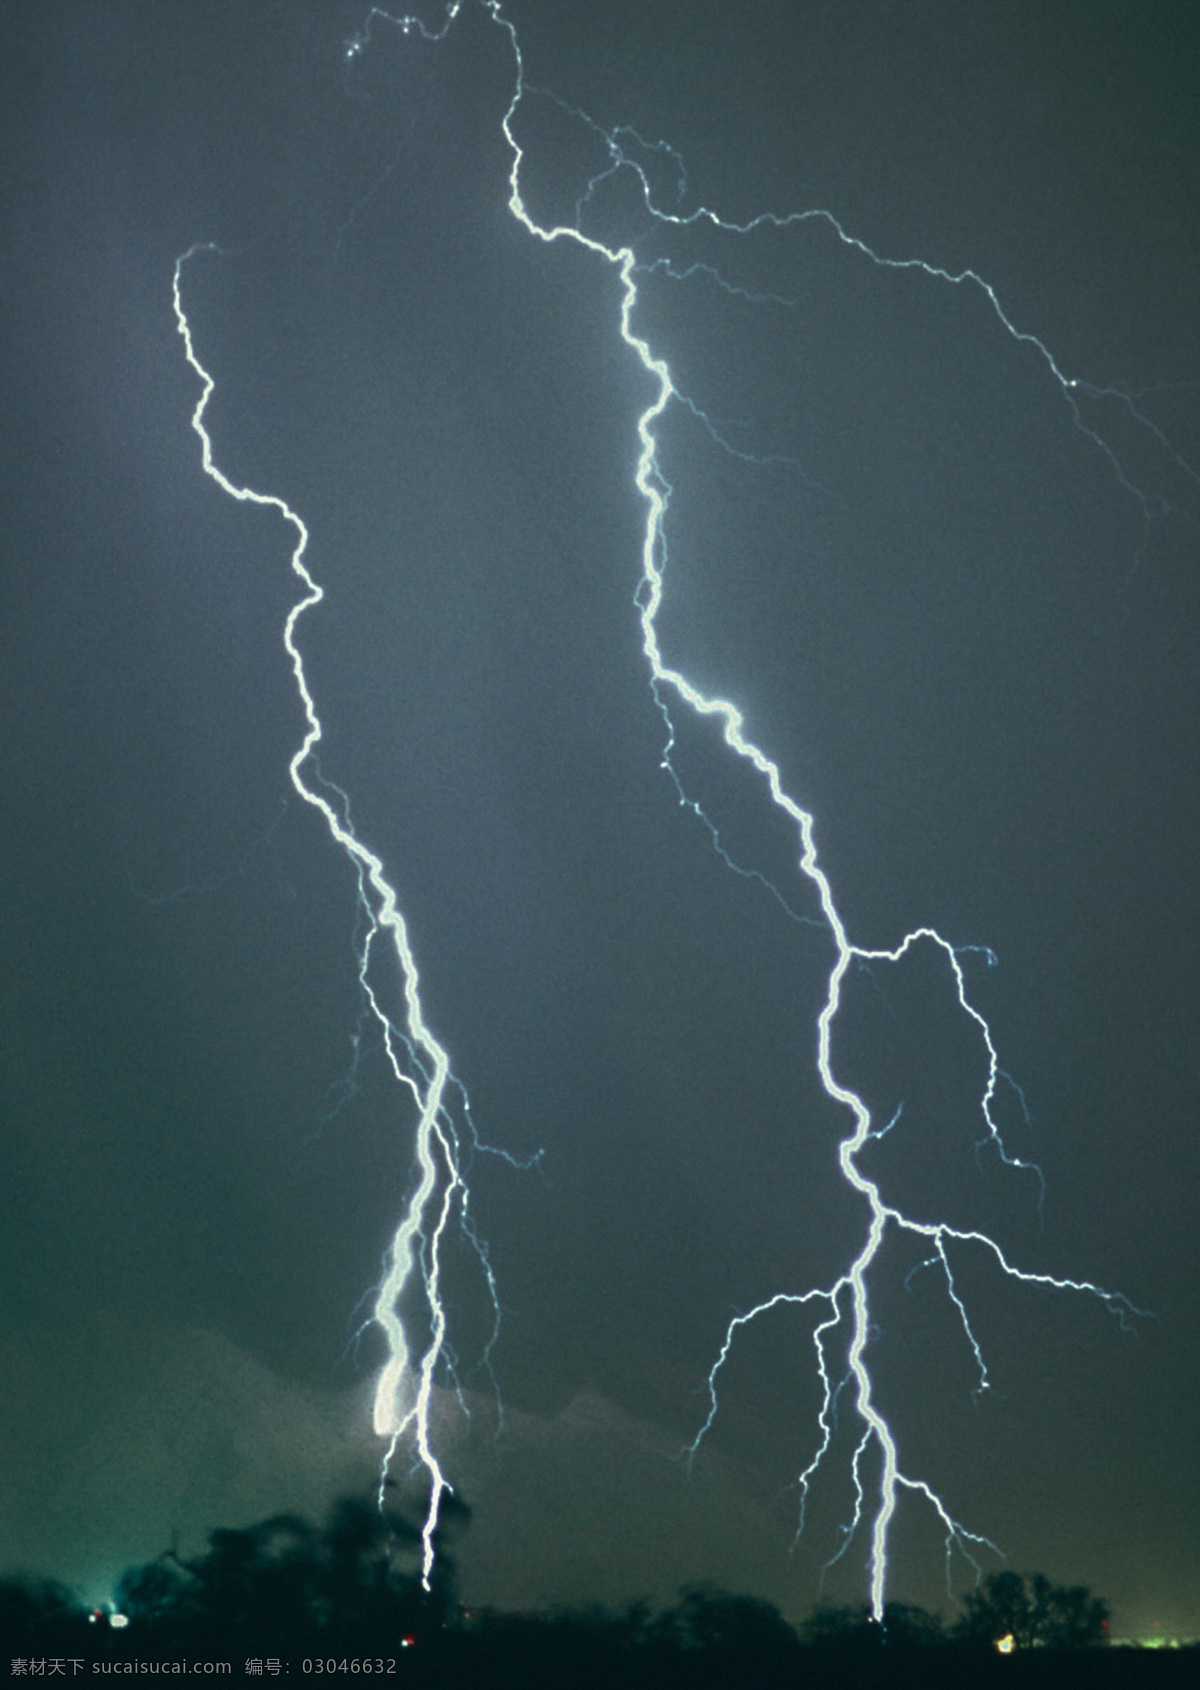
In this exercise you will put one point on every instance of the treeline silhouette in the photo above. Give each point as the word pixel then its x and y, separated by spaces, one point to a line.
pixel 285 1599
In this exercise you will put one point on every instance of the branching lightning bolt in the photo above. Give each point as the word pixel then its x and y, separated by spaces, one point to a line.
pixel 847 1301
pixel 420 1063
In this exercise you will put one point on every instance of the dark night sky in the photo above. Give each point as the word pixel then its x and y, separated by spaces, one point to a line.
pixel 970 649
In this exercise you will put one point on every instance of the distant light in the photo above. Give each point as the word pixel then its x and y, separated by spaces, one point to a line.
pixel 1006 1645
pixel 117 1621
pixel 408 1642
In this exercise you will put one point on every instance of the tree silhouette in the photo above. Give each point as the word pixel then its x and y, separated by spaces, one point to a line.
pixel 1033 1612
pixel 710 1619
pixel 355 1581
pixel 841 1628
pixel 904 1627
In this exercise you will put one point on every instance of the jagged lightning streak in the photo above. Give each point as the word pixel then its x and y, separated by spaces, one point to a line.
pixel 403 1395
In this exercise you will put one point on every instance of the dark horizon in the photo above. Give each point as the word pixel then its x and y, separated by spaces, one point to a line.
pixel 354 1582
pixel 931 530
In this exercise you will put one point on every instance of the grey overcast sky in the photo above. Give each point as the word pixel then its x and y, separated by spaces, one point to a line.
pixel 954 597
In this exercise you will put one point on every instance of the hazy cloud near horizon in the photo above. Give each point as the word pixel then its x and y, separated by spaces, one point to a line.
pixel 189 1433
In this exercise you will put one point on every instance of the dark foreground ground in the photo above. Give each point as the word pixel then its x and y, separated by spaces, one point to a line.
pixel 285 1601
pixel 537 1654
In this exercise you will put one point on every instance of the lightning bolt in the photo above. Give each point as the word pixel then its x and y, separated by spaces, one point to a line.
pixel 419 1062
pixel 847 1301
